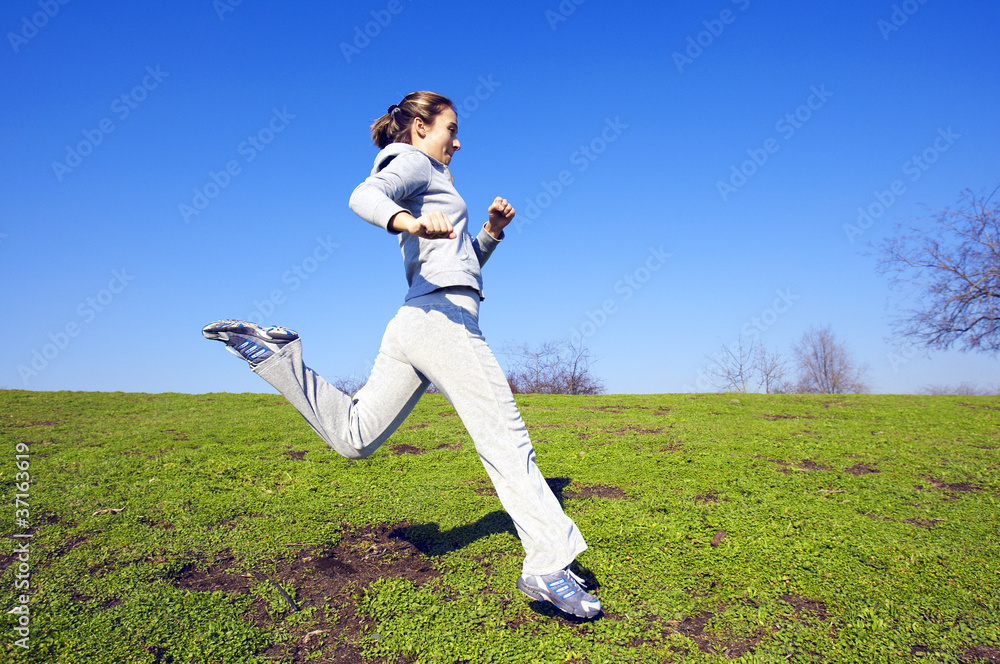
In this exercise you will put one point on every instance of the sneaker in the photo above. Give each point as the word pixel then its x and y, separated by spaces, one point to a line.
pixel 564 589
pixel 248 340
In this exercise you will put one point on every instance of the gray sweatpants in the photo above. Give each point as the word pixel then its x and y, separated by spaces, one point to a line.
pixel 436 339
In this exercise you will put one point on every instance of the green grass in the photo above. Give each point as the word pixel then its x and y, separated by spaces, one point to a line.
pixel 185 528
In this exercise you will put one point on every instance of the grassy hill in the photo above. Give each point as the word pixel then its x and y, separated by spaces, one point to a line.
pixel 218 528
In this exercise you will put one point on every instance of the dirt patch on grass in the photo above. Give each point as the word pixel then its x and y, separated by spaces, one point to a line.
pixel 213 577
pixel 782 465
pixel 980 655
pixel 922 523
pixel 606 409
pixel 861 469
pixel 696 628
pixel 593 491
pixel 804 605
pixel 808 464
pixel 407 449
pixel 332 578
pixel 295 455
pixel 950 489
pixel 710 497
pixel 774 418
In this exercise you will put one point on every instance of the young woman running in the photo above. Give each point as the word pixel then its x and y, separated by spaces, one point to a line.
pixel 434 338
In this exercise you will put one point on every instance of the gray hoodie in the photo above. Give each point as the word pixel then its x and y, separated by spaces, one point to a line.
pixel 406 178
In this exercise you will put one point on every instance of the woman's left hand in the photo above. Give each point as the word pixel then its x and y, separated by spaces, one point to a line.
pixel 500 214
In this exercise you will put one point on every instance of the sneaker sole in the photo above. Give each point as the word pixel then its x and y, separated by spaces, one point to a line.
pixel 220 331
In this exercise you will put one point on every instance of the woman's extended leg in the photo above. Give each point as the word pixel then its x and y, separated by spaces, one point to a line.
pixel 356 427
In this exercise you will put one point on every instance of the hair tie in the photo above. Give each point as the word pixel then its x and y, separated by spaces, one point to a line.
pixel 392 109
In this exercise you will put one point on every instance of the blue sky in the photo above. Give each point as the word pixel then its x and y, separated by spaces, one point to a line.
pixel 680 175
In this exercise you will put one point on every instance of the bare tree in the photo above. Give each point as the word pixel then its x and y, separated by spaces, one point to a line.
pixel 950 268
pixel 349 385
pixel 772 370
pixel 555 367
pixel 963 388
pixel 825 365
pixel 745 367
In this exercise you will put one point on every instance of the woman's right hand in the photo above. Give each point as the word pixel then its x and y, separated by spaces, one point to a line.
pixel 431 226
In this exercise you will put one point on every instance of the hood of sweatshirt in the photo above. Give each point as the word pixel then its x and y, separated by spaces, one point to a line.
pixel 393 150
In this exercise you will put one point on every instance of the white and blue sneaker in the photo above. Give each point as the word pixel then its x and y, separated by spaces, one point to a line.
pixel 564 589
pixel 248 340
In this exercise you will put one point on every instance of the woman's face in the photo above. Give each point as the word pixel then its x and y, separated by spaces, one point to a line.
pixel 440 138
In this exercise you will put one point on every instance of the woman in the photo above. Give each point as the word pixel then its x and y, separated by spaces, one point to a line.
pixel 434 338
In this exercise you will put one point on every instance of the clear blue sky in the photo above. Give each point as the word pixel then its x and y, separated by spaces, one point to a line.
pixel 168 164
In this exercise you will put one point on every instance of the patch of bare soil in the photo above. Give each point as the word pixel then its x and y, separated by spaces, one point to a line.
pixel 774 418
pixel 295 455
pixel 593 491
pixel 782 465
pixel 407 449
pixel 808 464
pixel 334 577
pixel 980 655
pixel 951 490
pixel 696 629
pixel 861 469
pixel 607 409
pixel 804 605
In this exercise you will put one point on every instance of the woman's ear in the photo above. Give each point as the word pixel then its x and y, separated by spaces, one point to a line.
pixel 420 127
